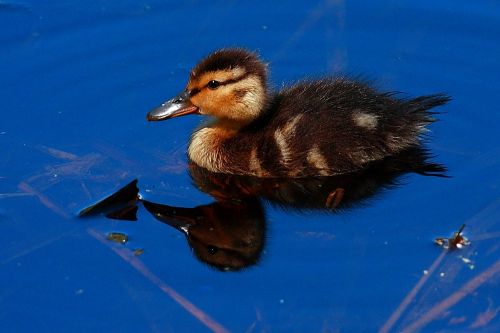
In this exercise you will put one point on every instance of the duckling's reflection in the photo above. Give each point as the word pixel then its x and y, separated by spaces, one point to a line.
pixel 229 233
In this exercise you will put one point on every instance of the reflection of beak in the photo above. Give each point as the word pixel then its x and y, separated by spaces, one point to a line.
pixel 178 106
pixel 177 217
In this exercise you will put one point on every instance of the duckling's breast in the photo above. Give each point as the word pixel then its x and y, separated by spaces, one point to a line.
pixel 226 151
pixel 236 152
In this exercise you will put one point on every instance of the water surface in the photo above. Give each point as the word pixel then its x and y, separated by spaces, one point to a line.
pixel 77 79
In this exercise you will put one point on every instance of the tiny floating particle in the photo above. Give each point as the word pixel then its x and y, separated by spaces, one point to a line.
pixel 468 262
pixel 457 241
pixel 117 237
pixel 138 252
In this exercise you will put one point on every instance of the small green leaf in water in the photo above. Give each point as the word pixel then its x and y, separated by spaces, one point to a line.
pixel 117 237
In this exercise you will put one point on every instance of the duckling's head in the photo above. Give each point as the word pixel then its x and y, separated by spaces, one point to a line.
pixel 229 84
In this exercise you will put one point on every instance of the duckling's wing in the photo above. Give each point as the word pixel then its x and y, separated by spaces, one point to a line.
pixel 334 126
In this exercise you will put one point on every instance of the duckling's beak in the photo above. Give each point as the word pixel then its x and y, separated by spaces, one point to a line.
pixel 178 106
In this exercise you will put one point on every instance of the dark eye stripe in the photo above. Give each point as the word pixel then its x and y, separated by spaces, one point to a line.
pixel 196 91
pixel 223 83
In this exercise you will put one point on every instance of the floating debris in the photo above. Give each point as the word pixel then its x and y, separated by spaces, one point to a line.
pixel 138 252
pixel 468 262
pixel 117 237
pixel 119 205
pixel 457 241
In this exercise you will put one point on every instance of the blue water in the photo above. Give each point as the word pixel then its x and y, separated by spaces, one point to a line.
pixel 76 81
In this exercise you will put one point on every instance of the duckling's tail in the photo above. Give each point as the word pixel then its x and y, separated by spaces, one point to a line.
pixel 409 129
pixel 420 107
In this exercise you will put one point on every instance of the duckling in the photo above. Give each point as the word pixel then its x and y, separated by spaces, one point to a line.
pixel 319 127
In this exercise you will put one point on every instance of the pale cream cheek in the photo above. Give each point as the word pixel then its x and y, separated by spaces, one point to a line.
pixel 249 106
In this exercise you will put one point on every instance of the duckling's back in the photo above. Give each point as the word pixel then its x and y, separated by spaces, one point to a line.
pixel 334 126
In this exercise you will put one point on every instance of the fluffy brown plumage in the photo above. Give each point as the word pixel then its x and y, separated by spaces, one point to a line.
pixel 314 128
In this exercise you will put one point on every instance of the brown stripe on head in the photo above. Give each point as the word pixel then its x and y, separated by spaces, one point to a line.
pixel 229 59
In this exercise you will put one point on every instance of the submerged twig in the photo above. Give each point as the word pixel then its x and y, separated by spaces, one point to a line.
pixel 135 262
pixel 15 194
pixel 36 246
pixel 411 295
pixel 485 214
pixel 43 199
pixel 58 153
pixel 454 298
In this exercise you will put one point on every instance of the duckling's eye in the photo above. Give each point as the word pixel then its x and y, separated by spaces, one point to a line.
pixel 213 84
pixel 212 249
